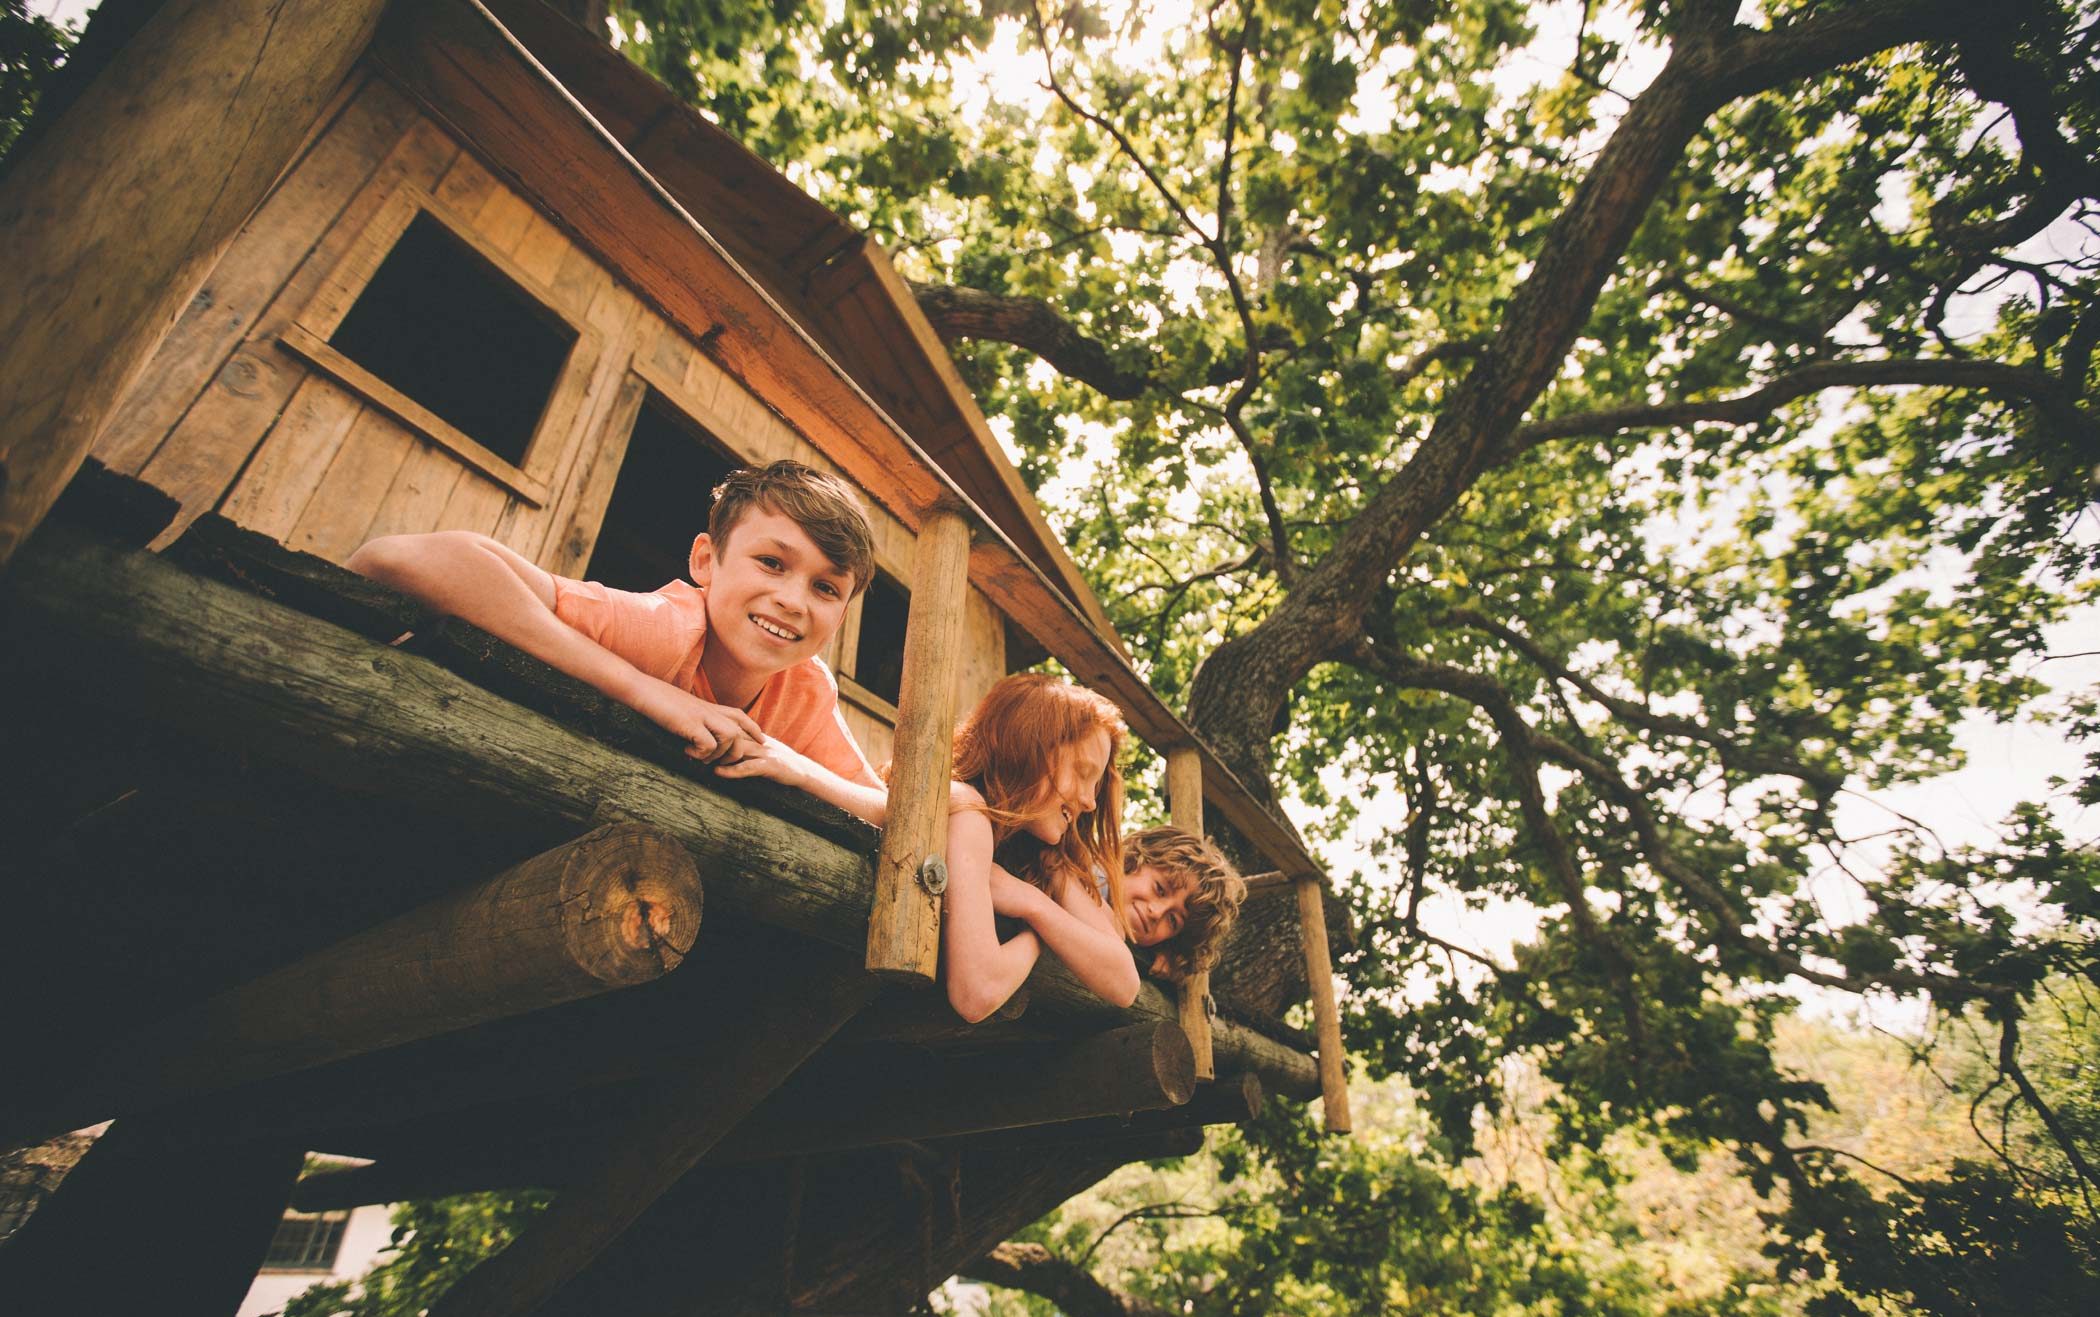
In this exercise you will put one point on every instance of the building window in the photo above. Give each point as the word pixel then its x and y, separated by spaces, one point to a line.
pixel 660 500
pixel 878 662
pixel 443 326
pixel 306 1241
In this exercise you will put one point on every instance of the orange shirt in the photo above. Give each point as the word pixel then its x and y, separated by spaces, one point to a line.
pixel 664 632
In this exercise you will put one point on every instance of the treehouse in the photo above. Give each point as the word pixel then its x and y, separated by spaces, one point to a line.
pixel 294 867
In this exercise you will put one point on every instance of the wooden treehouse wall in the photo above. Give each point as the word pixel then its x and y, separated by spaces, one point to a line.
pixel 247 410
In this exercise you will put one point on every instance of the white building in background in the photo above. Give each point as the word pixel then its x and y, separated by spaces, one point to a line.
pixel 312 1247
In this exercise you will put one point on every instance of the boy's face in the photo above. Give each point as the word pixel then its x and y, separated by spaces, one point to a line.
pixel 1158 905
pixel 773 598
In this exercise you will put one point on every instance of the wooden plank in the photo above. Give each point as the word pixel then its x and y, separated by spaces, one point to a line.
pixel 590 492
pixel 344 503
pixel 691 1110
pixel 904 930
pixel 617 907
pixel 219 433
pixel 278 483
pixel 1185 804
pixel 88 292
pixel 540 251
pixel 421 490
pixel 503 218
pixel 1327 1019
pixel 191 1224
pixel 271 247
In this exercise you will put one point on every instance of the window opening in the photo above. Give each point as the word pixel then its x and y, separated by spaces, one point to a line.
pixel 660 500
pixel 878 663
pixel 449 330
pixel 306 1241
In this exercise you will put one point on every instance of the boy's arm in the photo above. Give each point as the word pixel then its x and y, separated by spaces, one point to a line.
pixel 492 586
pixel 776 761
pixel 1077 931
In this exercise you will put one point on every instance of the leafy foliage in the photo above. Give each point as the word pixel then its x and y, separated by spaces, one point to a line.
pixel 31 46
pixel 434 1244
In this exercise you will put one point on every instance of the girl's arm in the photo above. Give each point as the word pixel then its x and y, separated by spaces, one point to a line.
pixel 982 971
pixel 1080 932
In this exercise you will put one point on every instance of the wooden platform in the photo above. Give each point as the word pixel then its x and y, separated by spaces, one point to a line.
pixel 218 768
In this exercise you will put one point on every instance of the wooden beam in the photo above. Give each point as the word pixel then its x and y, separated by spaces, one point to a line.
pixel 904 930
pixel 1233 1100
pixel 147 1222
pixel 1141 1067
pixel 688 1112
pixel 88 291
pixel 1185 805
pixel 146 637
pixel 1327 1019
pixel 615 908
pixel 923 1017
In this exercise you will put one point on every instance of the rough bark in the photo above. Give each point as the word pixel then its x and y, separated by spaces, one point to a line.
pixel 1071 1287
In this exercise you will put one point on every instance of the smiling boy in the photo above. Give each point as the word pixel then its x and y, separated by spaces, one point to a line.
pixel 723 662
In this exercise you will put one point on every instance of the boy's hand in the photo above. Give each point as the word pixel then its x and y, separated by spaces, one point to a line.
pixel 772 760
pixel 713 733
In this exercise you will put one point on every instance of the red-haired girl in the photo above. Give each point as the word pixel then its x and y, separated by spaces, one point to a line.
pixel 1034 834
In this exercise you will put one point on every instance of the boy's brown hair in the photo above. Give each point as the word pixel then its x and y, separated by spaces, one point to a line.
pixel 1215 892
pixel 820 503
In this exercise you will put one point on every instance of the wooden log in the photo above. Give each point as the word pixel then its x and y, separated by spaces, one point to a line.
pixel 617 907
pixel 1233 1100
pixel 1327 1019
pixel 922 1016
pixel 155 641
pixel 149 1223
pixel 1185 803
pixel 1142 1067
pixel 689 1111
pixel 88 291
pixel 1269 881
pixel 904 930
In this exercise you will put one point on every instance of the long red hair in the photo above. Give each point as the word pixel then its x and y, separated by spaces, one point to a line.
pixel 1008 749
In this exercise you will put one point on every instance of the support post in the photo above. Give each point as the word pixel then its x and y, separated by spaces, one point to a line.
pixel 190 124
pixel 904 929
pixel 190 1223
pixel 1327 1019
pixel 619 906
pixel 1185 805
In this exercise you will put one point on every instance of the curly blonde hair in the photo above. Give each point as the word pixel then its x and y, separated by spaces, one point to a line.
pixel 1215 891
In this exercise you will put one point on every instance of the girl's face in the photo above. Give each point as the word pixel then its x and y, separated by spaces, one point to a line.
pixel 1076 771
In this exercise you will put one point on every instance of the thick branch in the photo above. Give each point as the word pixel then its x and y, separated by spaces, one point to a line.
pixel 1037 1270
pixel 1733 755
pixel 1239 690
pixel 2047 393
pixel 1032 324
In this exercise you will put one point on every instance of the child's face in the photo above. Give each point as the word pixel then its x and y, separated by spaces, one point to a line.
pixel 1158 906
pixel 1075 775
pixel 773 598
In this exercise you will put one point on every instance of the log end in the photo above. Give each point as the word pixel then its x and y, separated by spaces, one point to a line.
pixel 631 904
pixel 1173 1063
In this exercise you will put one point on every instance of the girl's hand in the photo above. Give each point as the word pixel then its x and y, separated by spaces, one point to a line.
pixel 774 761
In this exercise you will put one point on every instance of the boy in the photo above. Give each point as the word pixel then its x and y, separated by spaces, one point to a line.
pixel 1184 896
pixel 722 663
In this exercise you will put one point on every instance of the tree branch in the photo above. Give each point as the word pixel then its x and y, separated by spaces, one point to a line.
pixel 1037 1270
pixel 2048 394
pixel 1744 759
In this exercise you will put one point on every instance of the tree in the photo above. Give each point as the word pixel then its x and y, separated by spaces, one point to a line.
pixel 1622 478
